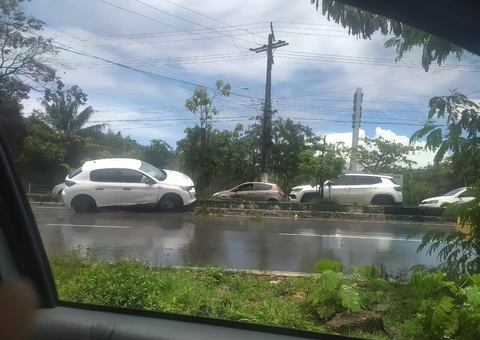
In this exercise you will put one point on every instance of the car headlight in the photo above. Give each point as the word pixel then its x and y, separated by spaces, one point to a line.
pixel 296 189
pixel 187 188
pixel 430 202
pixel 215 194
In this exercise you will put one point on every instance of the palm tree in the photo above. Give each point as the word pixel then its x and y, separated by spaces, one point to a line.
pixel 64 114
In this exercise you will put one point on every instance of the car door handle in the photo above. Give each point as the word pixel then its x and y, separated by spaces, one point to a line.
pixel 373 187
pixel 127 188
pixel 99 188
pixel 347 188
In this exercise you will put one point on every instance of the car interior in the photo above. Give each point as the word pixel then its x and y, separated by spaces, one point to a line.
pixel 23 254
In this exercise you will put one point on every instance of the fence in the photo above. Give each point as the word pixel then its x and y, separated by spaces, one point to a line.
pixel 36 188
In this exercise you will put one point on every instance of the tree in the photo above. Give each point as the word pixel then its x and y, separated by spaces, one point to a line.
pixel 24 55
pixel 317 167
pixel 202 105
pixel 363 24
pixel 380 155
pixel 63 114
pixel 160 154
pixel 289 139
pixel 459 136
pixel 461 249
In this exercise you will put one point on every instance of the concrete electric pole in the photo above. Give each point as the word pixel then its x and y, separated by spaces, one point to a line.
pixel 267 109
pixel 356 119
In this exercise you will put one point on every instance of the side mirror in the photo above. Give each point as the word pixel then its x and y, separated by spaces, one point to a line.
pixel 235 190
pixel 150 182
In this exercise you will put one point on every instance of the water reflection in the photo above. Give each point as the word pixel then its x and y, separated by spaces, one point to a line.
pixel 274 244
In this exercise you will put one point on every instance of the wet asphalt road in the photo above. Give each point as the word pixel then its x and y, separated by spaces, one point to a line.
pixel 236 242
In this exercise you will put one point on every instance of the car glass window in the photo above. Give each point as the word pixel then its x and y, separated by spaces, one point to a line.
pixel 261 186
pixel 132 176
pixel 246 187
pixel 104 175
pixel 156 173
pixel 344 180
pixel 75 172
pixel 101 79
pixel 468 193
pixel 365 180
pixel 453 192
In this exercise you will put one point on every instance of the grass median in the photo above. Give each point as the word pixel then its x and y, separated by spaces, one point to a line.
pixel 219 293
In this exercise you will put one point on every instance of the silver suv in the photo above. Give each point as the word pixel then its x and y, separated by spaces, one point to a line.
pixel 354 188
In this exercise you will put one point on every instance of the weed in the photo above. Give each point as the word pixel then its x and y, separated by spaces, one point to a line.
pixel 325 200
pixel 202 210
pixel 256 218
pixel 430 307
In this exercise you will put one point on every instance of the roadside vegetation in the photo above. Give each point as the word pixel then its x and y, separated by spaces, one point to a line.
pixel 425 306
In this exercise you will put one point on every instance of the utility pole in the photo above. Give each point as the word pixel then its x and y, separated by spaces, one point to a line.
pixel 322 180
pixel 267 108
pixel 356 118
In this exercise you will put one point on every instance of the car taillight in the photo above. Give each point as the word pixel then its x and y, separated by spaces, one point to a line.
pixel 69 183
pixel 398 187
pixel 280 191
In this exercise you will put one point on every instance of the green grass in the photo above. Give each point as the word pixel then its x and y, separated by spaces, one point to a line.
pixel 213 292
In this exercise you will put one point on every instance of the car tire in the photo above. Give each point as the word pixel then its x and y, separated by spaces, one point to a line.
pixel 170 203
pixel 272 200
pixel 83 203
pixel 383 200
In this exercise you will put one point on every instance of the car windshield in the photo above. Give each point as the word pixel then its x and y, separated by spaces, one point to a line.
pixel 274 94
pixel 153 171
pixel 453 192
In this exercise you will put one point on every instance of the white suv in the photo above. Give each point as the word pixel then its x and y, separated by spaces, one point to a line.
pixel 354 188
pixel 126 182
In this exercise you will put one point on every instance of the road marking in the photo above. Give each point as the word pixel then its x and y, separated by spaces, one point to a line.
pixel 381 238
pixel 89 226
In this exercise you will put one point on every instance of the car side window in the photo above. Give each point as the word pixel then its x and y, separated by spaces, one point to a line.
pixel 75 172
pixel 344 180
pixel 366 180
pixel 468 193
pixel 133 176
pixel 261 186
pixel 246 187
pixel 104 175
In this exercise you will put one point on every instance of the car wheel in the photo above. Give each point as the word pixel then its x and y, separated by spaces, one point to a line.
pixel 382 200
pixel 170 203
pixel 83 204
pixel 272 200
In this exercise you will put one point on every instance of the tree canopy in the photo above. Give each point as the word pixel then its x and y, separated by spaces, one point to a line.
pixel 364 24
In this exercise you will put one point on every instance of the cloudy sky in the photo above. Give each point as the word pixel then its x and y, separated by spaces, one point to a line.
pixel 167 47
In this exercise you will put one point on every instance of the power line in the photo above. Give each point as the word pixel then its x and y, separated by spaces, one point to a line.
pixel 206 16
pixel 100 46
pixel 193 22
pixel 160 22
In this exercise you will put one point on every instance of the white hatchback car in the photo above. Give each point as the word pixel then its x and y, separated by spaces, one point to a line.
pixel 126 182
pixel 354 188
pixel 460 195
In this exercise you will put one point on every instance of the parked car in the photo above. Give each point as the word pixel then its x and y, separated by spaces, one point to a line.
pixel 353 188
pixel 126 182
pixel 253 191
pixel 57 190
pixel 460 195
